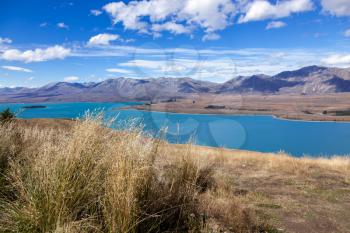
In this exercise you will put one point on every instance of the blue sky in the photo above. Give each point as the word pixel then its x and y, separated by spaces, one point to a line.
pixel 216 40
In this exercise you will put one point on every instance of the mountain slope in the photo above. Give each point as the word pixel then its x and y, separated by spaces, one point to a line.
pixel 307 80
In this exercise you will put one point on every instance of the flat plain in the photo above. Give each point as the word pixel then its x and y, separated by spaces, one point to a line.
pixel 327 107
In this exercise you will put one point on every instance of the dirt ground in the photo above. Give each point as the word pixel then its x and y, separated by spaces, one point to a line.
pixel 292 194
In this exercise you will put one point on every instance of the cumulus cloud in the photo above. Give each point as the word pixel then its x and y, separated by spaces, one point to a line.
pixel 37 55
pixel 275 24
pixel 263 9
pixel 171 27
pixel 102 39
pixel 62 25
pixel 95 12
pixel 337 60
pixel 336 7
pixel 159 15
pixel 185 16
pixel 16 68
pixel 210 15
pixel 211 36
pixel 127 14
pixel 5 41
pixel 71 79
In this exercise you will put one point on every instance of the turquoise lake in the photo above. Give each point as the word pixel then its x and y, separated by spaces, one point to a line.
pixel 257 133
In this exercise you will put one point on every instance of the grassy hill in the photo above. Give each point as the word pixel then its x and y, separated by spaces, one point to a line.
pixel 78 176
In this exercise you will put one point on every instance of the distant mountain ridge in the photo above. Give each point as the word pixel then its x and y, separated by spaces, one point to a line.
pixel 306 81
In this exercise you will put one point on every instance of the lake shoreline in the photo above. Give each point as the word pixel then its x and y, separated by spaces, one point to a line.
pixel 327 107
pixel 66 123
pixel 251 132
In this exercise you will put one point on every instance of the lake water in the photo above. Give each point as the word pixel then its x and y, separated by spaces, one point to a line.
pixel 257 133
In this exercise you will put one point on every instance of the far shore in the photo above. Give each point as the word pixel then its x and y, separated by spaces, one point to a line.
pixel 280 117
pixel 324 108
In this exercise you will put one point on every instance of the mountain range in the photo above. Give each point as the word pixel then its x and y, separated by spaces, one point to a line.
pixel 309 80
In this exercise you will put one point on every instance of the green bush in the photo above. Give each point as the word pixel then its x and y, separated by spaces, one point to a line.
pixel 6 115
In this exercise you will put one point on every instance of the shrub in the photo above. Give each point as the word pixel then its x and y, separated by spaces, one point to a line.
pixel 6 115
pixel 96 180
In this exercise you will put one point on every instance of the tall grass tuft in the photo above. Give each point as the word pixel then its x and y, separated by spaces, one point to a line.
pixel 88 178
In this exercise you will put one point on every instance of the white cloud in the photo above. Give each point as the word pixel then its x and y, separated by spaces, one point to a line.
pixel 347 33
pixel 127 14
pixel 37 55
pixel 213 69
pixel 16 68
pixel 172 67
pixel 187 61
pixel 171 27
pixel 337 60
pixel 118 70
pixel 71 79
pixel 275 24
pixel 211 36
pixel 102 39
pixel 210 15
pixel 95 12
pixel 129 40
pixel 263 9
pixel 5 41
pixel 157 15
pixel 62 25
pixel 148 64
pixel 336 7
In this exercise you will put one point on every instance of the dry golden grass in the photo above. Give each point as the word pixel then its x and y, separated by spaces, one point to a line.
pixel 292 194
pixel 83 177
pixel 86 178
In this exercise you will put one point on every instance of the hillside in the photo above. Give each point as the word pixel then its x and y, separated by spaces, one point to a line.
pixel 305 81
pixel 76 176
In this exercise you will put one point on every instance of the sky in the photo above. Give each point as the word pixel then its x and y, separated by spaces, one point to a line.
pixel 214 40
